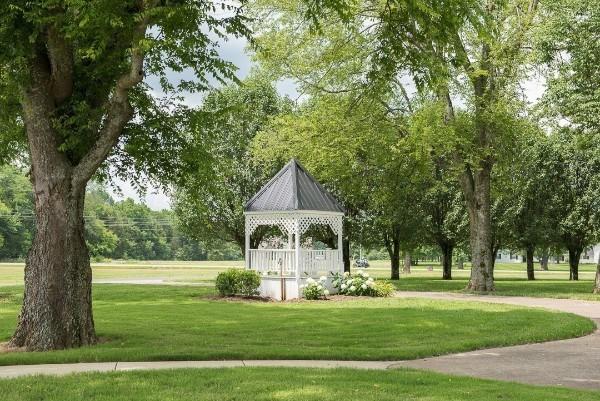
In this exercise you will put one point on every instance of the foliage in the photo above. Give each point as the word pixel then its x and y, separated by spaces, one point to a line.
pixel 114 229
pixel 237 282
pixel 383 289
pixel 315 289
pixel 577 202
pixel 567 43
pixel 209 204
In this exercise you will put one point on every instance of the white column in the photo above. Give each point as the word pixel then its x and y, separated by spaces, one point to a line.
pixel 247 255
pixel 340 244
pixel 298 254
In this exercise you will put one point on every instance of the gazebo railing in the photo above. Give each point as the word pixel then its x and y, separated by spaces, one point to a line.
pixel 320 262
pixel 312 262
pixel 273 260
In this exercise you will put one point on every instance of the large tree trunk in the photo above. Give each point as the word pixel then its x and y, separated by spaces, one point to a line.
pixel 574 256
pixel 447 250
pixel 57 304
pixel 529 258
pixel 544 259
pixel 407 262
pixel 479 208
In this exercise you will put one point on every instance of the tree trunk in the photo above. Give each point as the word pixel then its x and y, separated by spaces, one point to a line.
pixel 544 260
pixel 529 258
pixel 447 250
pixel 346 254
pixel 597 281
pixel 393 247
pixel 407 262
pixel 479 208
pixel 574 255
pixel 57 303
pixel 460 263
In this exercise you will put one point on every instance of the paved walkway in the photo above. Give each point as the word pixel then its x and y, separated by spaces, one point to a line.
pixel 570 363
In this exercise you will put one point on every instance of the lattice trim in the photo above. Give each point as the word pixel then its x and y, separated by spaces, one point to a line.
pixel 298 223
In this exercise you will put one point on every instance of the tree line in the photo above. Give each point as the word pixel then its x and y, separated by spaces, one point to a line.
pixel 114 229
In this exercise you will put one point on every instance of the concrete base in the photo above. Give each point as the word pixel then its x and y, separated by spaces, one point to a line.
pixel 284 288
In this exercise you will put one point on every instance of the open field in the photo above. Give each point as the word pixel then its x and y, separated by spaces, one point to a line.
pixel 205 271
pixel 283 384
pixel 145 323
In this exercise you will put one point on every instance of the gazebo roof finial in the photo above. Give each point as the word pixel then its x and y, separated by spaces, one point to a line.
pixel 293 188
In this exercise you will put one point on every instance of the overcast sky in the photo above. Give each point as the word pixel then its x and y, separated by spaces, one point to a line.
pixel 234 51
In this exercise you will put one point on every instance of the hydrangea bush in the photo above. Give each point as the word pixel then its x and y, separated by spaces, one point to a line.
pixel 315 289
pixel 361 284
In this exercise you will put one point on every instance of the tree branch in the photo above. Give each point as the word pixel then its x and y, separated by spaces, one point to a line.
pixel 119 110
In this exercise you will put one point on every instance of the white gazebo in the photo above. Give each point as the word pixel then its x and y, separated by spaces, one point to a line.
pixel 293 201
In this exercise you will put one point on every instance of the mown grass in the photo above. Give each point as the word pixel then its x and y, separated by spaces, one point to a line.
pixel 145 323
pixel 283 384
pixel 546 288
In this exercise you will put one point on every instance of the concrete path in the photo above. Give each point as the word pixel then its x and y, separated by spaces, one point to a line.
pixel 570 363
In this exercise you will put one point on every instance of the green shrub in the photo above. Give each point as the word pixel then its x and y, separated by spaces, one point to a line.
pixel 237 282
pixel 248 283
pixel 227 282
pixel 383 288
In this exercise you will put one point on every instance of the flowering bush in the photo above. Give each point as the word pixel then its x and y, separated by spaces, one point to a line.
pixel 315 289
pixel 361 284
pixel 383 288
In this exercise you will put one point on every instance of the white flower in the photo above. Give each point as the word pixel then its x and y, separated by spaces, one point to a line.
pixel 370 279
pixel 326 292
pixel 349 282
pixel 352 288
pixel 344 286
pixel 346 274
pixel 366 275
pixel 320 287
pixel 310 280
pixel 364 286
pixel 323 278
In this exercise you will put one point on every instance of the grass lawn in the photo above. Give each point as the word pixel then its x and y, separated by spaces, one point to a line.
pixel 178 323
pixel 546 288
pixel 268 384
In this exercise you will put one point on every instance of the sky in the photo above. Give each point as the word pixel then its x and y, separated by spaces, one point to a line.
pixel 234 50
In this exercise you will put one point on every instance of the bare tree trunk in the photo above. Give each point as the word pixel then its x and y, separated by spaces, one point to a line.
pixel 447 250
pixel 479 207
pixel 57 303
pixel 597 281
pixel 544 259
pixel 529 257
pixel 407 262
pixel 392 245
pixel 574 256
pixel 460 263
pixel 346 254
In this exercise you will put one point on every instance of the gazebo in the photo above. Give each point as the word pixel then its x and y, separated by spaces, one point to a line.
pixel 293 201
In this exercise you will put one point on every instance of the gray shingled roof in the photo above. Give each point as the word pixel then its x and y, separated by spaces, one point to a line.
pixel 293 188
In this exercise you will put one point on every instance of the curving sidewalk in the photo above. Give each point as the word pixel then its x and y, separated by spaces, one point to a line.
pixel 570 363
